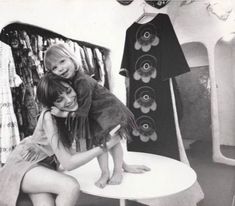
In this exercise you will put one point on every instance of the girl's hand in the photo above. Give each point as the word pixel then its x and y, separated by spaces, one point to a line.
pixel 58 113
pixel 135 168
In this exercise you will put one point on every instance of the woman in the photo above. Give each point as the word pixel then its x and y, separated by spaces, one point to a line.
pixel 32 166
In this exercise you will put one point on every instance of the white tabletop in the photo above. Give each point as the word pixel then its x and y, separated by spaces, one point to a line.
pixel 167 177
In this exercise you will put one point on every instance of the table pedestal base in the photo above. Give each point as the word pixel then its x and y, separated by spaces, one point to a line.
pixel 122 202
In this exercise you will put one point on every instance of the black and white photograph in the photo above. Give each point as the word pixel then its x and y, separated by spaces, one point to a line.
pixel 117 102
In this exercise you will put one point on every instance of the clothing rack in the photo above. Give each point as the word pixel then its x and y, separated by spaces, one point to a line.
pixel 42 32
pixel 22 38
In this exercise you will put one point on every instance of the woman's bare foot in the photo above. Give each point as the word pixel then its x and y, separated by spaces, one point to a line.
pixel 116 178
pixel 103 180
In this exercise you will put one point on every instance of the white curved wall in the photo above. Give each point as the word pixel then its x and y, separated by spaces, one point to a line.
pixel 225 79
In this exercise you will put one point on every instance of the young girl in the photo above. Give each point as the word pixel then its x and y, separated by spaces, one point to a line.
pixel 31 167
pixel 98 113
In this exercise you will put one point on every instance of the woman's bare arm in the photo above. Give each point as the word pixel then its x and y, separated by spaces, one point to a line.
pixel 68 160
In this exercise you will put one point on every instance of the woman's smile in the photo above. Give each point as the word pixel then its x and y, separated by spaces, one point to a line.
pixel 67 100
pixel 72 104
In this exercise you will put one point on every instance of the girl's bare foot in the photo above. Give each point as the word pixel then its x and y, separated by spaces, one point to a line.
pixel 116 178
pixel 103 180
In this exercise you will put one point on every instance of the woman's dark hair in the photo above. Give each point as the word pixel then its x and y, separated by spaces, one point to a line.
pixel 48 90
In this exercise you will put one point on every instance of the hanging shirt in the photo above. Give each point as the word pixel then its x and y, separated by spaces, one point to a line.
pixel 152 55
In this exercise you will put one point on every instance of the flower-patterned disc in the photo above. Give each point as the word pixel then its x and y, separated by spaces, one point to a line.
pixel 145 99
pixel 145 68
pixel 146 129
pixel 146 37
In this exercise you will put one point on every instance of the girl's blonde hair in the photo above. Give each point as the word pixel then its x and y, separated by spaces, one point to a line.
pixel 58 51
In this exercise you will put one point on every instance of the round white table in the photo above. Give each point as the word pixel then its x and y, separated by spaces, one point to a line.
pixel 167 177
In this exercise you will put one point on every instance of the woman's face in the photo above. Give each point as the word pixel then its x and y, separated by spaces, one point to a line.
pixel 64 67
pixel 67 101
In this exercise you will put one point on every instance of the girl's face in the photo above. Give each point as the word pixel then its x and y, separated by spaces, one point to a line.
pixel 67 101
pixel 64 67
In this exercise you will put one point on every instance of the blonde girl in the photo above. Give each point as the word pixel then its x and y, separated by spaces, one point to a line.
pixel 99 111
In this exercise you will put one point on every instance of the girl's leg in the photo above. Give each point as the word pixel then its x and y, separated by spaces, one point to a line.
pixel 117 154
pixel 43 180
pixel 103 163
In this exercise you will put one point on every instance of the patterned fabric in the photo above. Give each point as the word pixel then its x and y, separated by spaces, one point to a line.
pixel 9 132
pixel 152 55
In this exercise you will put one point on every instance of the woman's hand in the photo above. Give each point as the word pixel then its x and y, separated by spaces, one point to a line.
pixel 113 141
pixel 114 138
pixel 135 168
pixel 58 113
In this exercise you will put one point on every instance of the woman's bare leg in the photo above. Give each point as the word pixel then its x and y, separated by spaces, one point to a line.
pixel 104 166
pixel 45 199
pixel 43 180
pixel 117 154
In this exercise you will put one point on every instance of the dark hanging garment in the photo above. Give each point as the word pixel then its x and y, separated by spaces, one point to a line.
pixel 152 55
